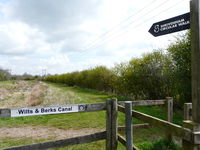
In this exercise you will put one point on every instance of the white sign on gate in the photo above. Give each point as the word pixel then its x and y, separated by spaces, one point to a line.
pixel 32 111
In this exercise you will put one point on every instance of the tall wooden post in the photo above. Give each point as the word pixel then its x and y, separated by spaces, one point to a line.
pixel 195 47
pixel 111 124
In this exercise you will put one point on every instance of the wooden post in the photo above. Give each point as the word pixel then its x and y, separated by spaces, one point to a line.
pixel 114 124
pixel 169 105
pixel 128 125
pixel 195 128
pixel 187 114
pixel 169 112
pixel 195 48
pixel 111 125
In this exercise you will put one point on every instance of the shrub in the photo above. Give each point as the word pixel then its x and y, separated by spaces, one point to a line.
pixel 161 144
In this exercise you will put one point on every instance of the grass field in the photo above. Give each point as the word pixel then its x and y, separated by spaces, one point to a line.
pixel 77 124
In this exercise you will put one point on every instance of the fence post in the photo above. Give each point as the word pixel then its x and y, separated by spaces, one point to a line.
pixel 187 111
pixel 128 127
pixel 195 61
pixel 169 111
pixel 108 124
pixel 186 145
pixel 111 124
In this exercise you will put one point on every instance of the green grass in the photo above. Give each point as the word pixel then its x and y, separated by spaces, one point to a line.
pixel 89 95
pixel 61 121
pixel 87 120
pixel 99 145
pixel 7 82
pixel 10 142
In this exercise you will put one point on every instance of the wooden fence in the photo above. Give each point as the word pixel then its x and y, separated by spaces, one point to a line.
pixel 111 133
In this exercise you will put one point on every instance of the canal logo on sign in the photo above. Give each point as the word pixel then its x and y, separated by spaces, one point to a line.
pixel 82 107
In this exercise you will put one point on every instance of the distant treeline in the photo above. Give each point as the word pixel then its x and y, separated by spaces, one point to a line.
pixel 4 74
pixel 155 75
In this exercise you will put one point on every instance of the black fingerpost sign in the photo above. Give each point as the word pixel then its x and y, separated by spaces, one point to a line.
pixel 171 25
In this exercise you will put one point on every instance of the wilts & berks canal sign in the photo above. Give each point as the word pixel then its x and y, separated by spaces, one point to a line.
pixel 175 24
pixel 33 111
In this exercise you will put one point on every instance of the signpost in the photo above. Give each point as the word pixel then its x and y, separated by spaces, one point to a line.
pixel 179 23
pixel 175 24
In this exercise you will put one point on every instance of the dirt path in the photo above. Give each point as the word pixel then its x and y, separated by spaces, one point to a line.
pixel 36 94
pixel 42 132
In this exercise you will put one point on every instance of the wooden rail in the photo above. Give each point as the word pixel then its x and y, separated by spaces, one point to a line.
pixel 122 140
pixel 87 107
pixel 5 113
pixel 60 143
pixel 170 127
pixel 145 102
pixel 135 126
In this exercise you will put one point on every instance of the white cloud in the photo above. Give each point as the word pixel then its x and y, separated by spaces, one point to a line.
pixel 60 35
pixel 18 38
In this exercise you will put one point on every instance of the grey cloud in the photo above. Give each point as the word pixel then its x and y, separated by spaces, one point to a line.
pixel 52 14
pixel 59 20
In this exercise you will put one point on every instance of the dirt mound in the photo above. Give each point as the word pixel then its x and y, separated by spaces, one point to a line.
pixel 36 95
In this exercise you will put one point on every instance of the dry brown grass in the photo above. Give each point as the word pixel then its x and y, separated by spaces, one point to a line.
pixel 19 93
pixel 57 96
pixel 26 93
pixel 4 93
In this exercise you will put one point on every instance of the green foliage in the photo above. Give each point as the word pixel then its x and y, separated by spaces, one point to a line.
pixel 180 53
pixel 2 77
pixel 161 144
pixel 98 78
pixel 4 74
pixel 146 77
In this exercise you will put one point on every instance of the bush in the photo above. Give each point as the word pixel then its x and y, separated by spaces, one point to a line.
pixel 161 144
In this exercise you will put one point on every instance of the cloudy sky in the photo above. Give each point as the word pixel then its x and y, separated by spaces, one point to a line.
pixel 68 35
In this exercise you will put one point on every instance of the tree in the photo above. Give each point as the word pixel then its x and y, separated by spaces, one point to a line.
pixel 180 53
pixel 4 74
